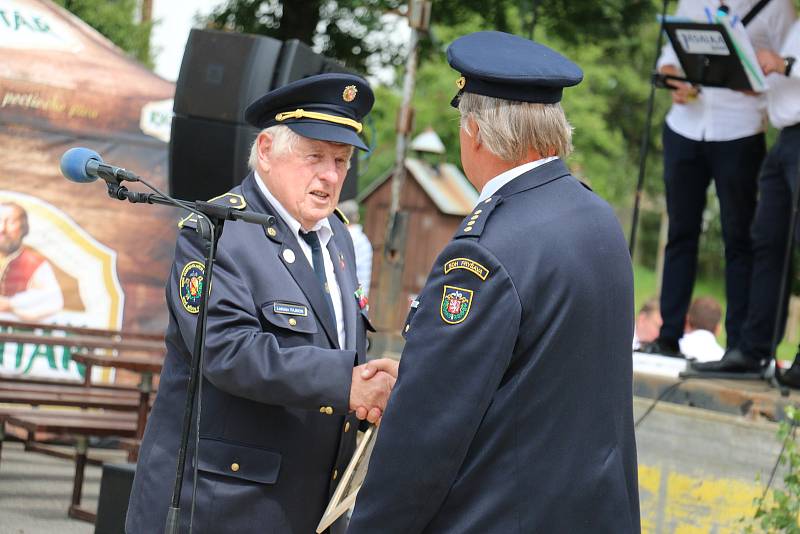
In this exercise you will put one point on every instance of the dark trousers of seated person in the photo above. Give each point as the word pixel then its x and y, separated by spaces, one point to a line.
pixel 689 167
pixel 777 181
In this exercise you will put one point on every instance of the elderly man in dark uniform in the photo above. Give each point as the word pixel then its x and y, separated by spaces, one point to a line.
pixel 284 375
pixel 512 411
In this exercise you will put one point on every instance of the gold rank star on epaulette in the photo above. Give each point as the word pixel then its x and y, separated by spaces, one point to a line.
pixel 473 224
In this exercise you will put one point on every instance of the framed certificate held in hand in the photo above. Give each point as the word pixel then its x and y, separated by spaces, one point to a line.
pixel 345 495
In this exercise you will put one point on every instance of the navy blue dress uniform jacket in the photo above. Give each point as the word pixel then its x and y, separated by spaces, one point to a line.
pixel 512 412
pixel 274 430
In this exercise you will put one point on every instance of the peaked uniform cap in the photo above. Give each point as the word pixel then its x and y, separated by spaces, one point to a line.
pixel 510 67
pixel 326 107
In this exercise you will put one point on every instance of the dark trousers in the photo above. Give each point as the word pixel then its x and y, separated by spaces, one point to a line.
pixel 689 167
pixel 776 183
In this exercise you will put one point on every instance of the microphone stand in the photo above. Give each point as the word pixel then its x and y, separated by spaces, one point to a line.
pixel 645 146
pixel 777 331
pixel 214 216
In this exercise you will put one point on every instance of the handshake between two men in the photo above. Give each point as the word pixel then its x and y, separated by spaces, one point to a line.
pixel 371 386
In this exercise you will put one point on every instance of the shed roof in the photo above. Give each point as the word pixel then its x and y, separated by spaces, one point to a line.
pixel 445 184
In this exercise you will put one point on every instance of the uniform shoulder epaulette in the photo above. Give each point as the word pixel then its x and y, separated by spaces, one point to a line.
pixel 188 221
pixel 341 216
pixel 473 224
pixel 229 200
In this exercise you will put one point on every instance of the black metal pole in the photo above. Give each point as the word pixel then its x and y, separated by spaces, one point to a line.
pixel 645 146
pixel 787 261
pixel 173 513
pixel 211 219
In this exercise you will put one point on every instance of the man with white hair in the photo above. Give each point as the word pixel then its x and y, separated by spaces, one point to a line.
pixel 284 380
pixel 512 411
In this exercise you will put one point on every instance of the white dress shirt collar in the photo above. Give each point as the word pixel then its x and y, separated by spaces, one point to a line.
pixel 494 185
pixel 325 233
pixel 323 227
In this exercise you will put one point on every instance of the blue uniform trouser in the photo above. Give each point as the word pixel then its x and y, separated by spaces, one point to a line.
pixel 689 167
pixel 777 181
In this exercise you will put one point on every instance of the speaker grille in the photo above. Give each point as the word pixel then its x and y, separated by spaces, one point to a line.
pixel 221 73
pixel 207 158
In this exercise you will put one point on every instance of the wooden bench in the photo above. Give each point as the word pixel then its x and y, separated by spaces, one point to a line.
pixel 84 342
pixel 45 381
pixel 106 410
pixel 80 426
pixel 83 331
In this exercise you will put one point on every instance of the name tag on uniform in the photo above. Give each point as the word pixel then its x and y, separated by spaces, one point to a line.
pixel 289 309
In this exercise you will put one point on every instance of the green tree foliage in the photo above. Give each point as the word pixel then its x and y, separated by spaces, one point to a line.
pixel 115 19
pixel 342 28
pixel 607 109
pixel 578 21
pixel 613 41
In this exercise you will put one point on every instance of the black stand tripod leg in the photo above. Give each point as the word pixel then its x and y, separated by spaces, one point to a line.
pixel 787 261
pixel 173 513
pixel 644 148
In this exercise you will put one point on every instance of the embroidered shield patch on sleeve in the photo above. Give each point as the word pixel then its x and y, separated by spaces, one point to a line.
pixel 191 285
pixel 456 302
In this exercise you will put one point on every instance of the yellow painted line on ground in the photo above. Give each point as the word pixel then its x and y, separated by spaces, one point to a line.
pixel 685 504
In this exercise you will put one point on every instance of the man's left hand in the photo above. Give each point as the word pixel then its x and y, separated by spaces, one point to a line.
pixel 770 61
pixel 369 371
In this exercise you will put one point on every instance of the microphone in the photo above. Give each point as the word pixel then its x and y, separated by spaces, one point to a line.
pixel 83 165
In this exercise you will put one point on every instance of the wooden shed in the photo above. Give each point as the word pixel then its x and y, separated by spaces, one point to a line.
pixel 437 197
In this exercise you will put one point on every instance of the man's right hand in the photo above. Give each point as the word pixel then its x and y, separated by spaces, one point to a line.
pixel 371 385
pixel 684 92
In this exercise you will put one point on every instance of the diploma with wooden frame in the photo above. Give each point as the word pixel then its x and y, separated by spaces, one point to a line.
pixel 715 54
pixel 345 495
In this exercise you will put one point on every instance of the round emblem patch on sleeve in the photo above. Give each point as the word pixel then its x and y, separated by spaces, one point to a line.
pixel 191 285
pixel 456 302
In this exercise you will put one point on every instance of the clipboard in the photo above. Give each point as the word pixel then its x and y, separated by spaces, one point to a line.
pixel 715 55
pixel 344 497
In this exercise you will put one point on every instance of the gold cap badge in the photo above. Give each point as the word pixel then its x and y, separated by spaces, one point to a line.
pixel 461 82
pixel 349 93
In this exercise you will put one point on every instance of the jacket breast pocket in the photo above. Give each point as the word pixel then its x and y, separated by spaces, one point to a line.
pixel 239 461
pixel 290 316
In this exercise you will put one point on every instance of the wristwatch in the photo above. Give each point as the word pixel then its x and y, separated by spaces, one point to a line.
pixel 788 63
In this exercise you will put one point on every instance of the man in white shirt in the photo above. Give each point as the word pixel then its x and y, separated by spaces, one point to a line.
pixel 699 341
pixel 713 133
pixel 777 181
pixel 361 244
